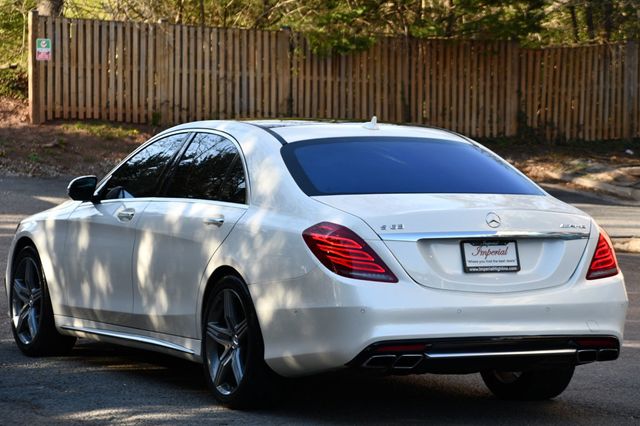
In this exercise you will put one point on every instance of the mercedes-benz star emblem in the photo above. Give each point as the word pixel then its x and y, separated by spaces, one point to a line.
pixel 493 220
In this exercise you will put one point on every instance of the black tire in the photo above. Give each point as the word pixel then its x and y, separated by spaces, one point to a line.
pixel 233 349
pixel 528 385
pixel 32 322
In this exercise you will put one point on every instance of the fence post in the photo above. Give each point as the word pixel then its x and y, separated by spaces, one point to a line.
pixel 33 76
pixel 631 90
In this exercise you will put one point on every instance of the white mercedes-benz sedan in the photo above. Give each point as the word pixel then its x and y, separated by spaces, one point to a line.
pixel 290 248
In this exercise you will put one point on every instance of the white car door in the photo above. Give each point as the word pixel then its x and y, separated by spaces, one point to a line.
pixel 98 284
pixel 177 234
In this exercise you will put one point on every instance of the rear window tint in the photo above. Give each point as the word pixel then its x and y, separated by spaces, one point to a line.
pixel 392 165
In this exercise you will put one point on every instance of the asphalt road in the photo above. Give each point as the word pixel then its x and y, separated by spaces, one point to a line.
pixel 107 384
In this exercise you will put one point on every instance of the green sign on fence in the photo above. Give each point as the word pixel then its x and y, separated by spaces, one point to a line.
pixel 43 49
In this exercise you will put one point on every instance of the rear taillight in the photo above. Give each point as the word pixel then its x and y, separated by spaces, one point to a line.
pixel 343 252
pixel 604 263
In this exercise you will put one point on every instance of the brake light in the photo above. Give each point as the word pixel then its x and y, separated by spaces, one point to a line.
pixel 604 262
pixel 345 253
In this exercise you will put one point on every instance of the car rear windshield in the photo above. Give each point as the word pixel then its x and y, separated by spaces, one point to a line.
pixel 400 165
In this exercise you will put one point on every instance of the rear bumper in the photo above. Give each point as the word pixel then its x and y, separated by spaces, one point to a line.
pixel 468 355
pixel 322 322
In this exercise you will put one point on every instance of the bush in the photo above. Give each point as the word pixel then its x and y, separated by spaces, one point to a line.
pixel 14 83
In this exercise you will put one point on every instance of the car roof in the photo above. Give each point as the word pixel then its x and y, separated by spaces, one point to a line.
pixel 299 130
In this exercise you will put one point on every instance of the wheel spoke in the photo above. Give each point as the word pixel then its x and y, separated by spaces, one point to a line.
pixel 241 329
pixel 33 322
pixel 236 365
pixel 20 290
pixel 222 367
pixel 36 294
pixel 30 275
pixel 229 309
pixel 221 335
pixel 21 317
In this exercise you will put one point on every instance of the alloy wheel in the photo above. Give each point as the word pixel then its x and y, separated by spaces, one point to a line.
pixel 26 300
pixel 226 341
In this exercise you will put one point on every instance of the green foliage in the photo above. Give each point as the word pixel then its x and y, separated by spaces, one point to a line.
pixel 13 83
pixel 106 131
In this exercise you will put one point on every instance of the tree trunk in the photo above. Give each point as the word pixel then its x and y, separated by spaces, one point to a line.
pixel 607 18
pixel 50 7
pixel 574 23
pixel 202 13
pixel 588 14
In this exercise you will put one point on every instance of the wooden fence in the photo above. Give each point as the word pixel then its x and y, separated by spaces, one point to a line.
pixel 141 73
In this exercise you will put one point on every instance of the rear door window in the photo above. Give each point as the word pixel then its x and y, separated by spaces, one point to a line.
pixel 210 169
pixel 396 165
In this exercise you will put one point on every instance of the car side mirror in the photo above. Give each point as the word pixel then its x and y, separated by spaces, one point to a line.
pixel 82 188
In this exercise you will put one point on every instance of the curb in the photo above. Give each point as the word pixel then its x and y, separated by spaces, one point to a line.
pixel 589 183
pixel 626 245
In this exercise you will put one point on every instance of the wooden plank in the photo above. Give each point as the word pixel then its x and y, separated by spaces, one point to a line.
pixel 128 89
pixel 228 80
pixel 453 84
pixel 41 74
pixel 244 74
pixel 607 91
pixel 307 81
pixel 599 92
pixel 258 84
pixel 120 79
pixel 80 68
pixel 66 91
pixel 590 98
pixel 582 102
pixel 295 75
pixel 88 62
pixel 206 61
pixel 49 105
pixel 184 73
pixel 134 74
pixel 237 72
pixel 142 104
pixel 251 73
pixel 496 86
pixel 32 69
pixel 481 113
pixel 112 71
pixel 199 85
pixel 57 57
pixel 572 76
pixel 96 70
pixel 398 83
pixel 472 112
pixel 215 74
pixel 462 89
pixel 73 33
pixel 150 82
pixel 192 71
pixel 384 92
pixel 273 70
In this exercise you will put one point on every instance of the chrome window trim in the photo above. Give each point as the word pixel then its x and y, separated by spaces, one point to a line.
pixel 415 237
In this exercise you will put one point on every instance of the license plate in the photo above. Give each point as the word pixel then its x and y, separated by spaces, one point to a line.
pixel 490 256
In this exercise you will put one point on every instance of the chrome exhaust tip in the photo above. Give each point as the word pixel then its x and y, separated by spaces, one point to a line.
pixel 584 356
pixel 408 362
pixel 379 361
pixel 607 354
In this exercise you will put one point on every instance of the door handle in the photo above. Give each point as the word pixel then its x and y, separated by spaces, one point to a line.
pixel 126 215
pixel 216 221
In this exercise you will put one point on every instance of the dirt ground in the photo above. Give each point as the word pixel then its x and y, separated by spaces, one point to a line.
pixel 87 147
pixel 62 148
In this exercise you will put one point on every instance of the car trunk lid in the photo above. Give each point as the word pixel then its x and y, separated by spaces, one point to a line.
pixel 428 234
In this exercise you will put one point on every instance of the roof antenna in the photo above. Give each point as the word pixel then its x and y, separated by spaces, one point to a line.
pixel 372 125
